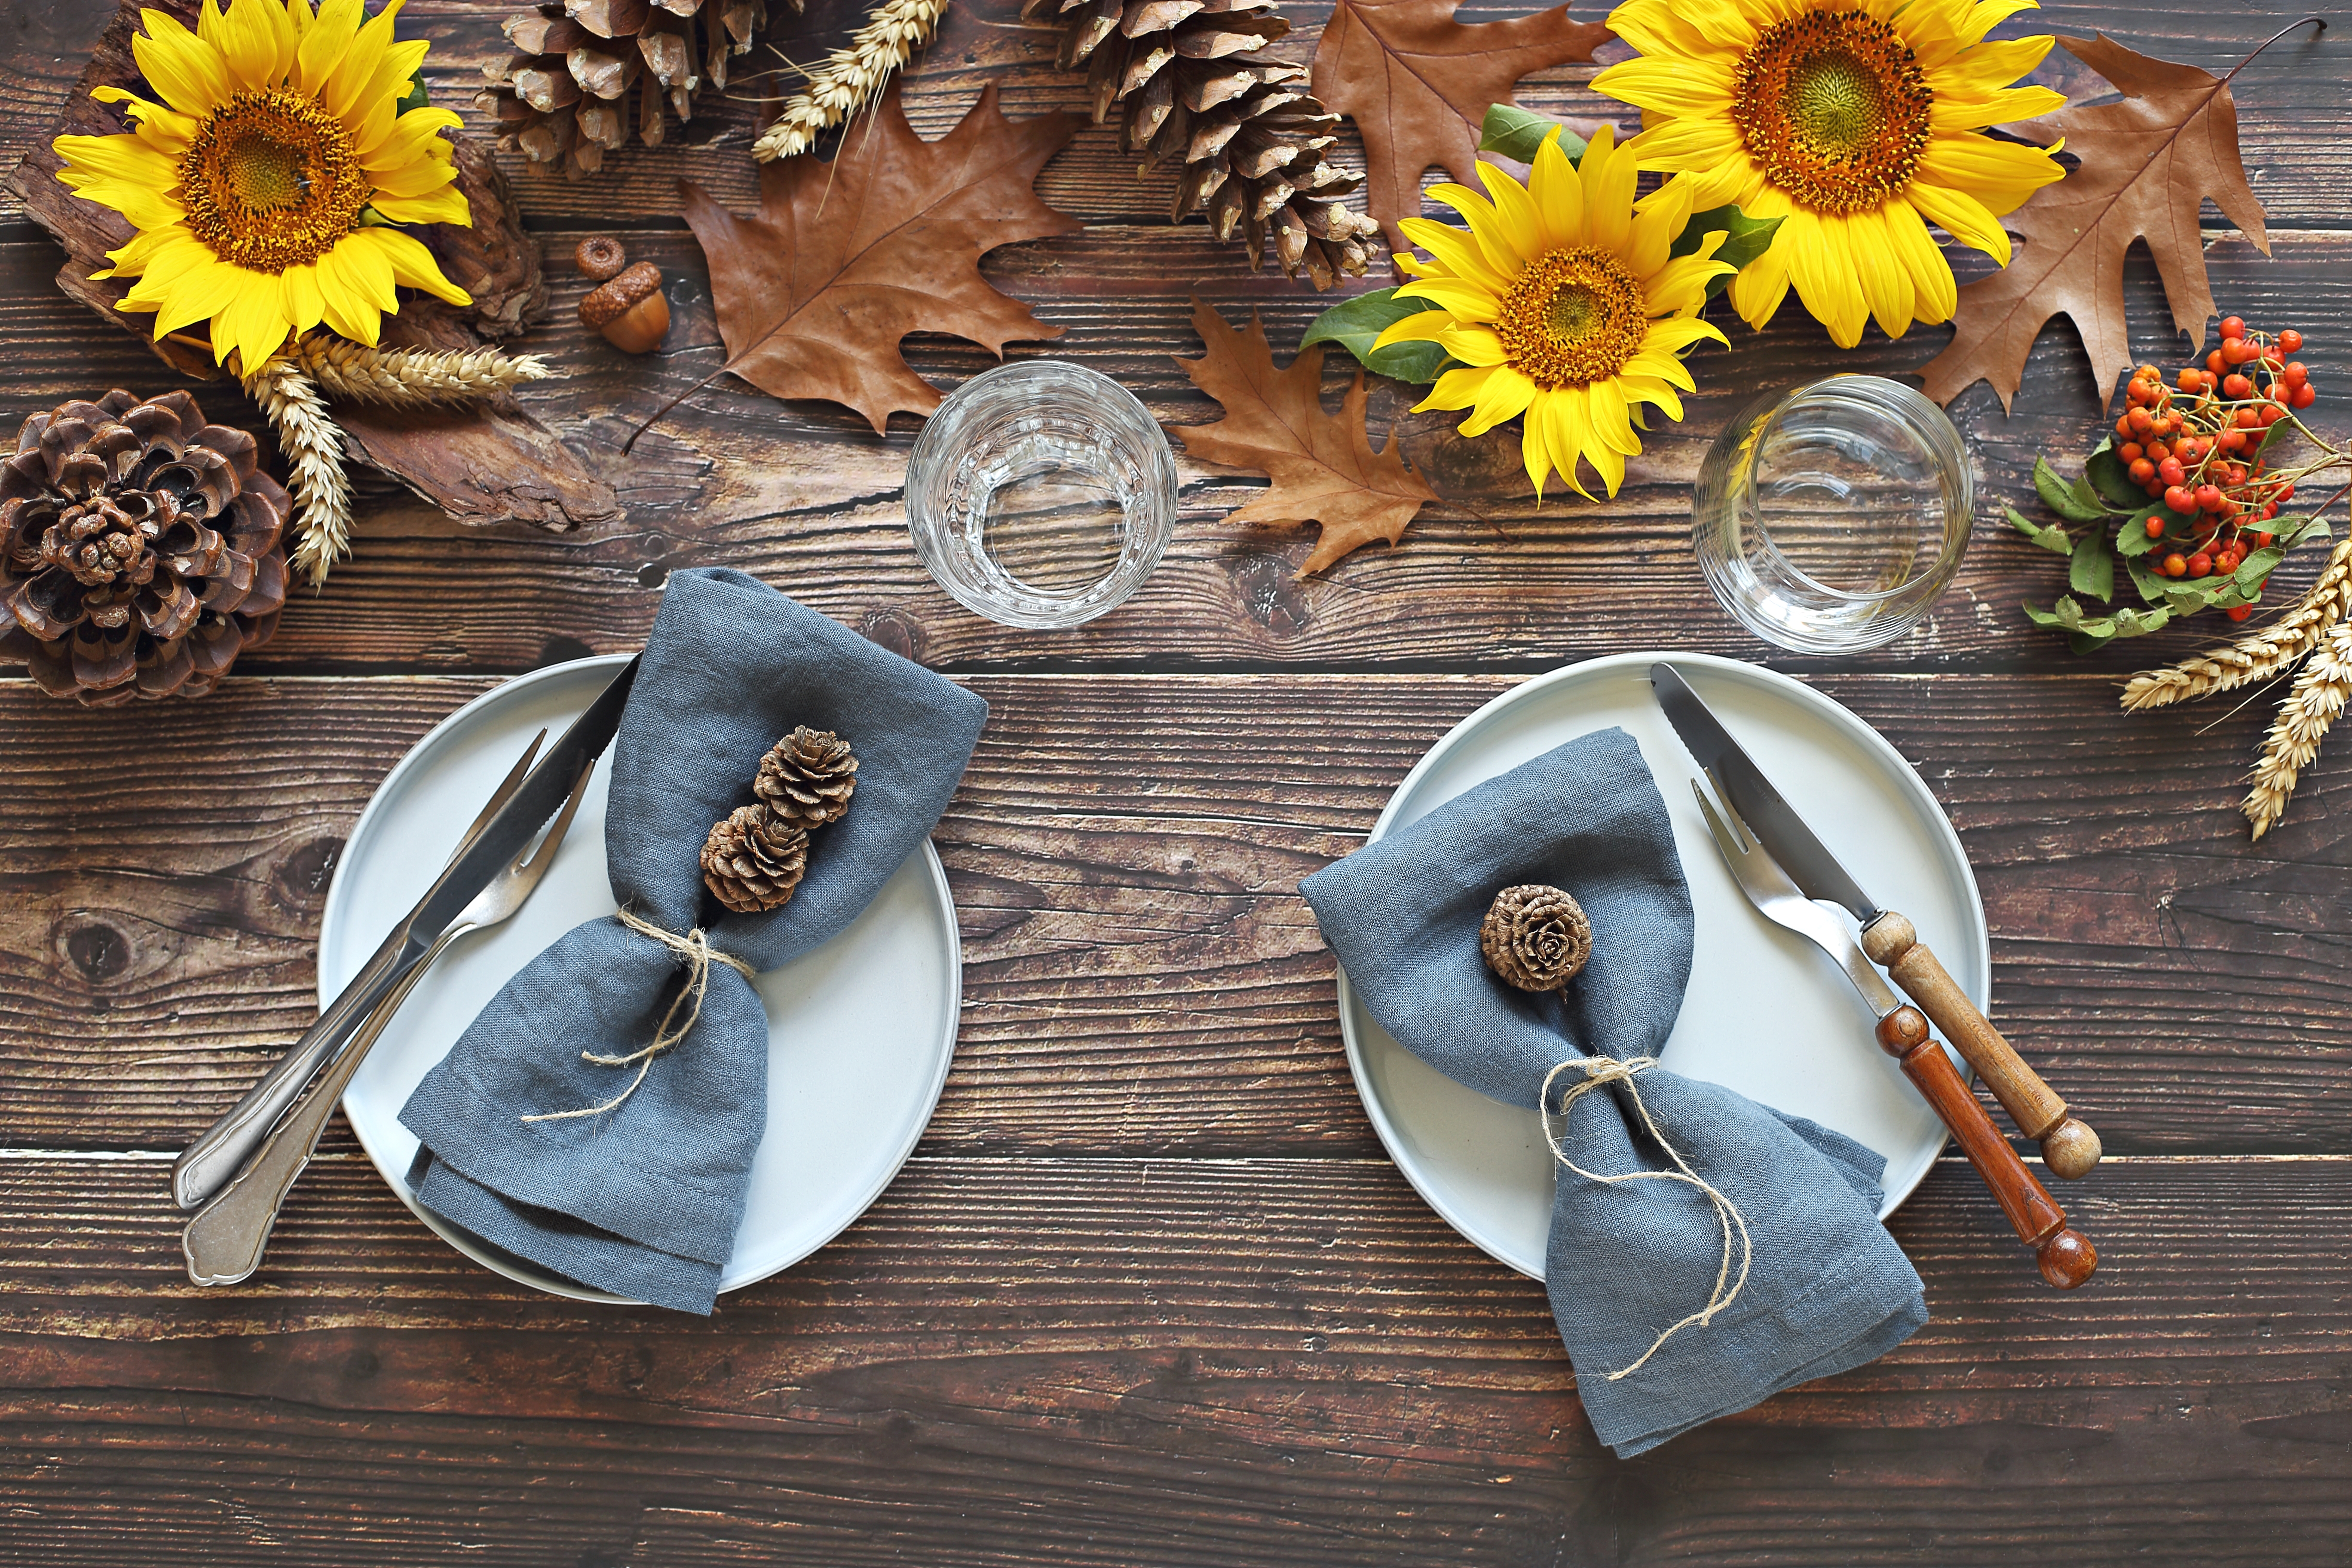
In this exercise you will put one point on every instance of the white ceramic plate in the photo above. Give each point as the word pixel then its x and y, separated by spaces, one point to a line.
pixel 840 1123
pixel 1766 1013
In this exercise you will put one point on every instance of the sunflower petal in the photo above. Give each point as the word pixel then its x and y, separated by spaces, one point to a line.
pixel 1959 215
pixel 1678 85
pixel 324 40
pixel 1566 431
pixel 1420 326
pixel 257 42
pixel 1885 281
pixel 1458 297
pixel 1457 389
pixel 2001 175
pixel 408 261
pixel 1934 294
pixel 2004 106
pixel 187 72
pixel 1535 453
pixel 1559 195
pixel 1504 393
pixel 1517 222
pixel 1455 250
pixel 167 131
pixel 1474 345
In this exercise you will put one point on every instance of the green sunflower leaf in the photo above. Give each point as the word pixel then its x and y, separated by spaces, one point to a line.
pixel 2050 536
pixel 1748 237
pixel 1515 133
pixel 1354 324
pixel 2076 501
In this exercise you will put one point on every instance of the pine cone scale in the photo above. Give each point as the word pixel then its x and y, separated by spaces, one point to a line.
pixel 130 533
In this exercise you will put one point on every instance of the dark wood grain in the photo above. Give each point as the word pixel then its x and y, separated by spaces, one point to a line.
pixel 1068 1362
pixel 1150 1295
pixel 1125 855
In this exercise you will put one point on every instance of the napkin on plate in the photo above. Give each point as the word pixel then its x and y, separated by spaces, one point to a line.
pixel 1826 1287
pixel 643 1200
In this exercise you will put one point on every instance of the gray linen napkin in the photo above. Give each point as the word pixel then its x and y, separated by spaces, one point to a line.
pixel 645 1199
pixel 1828 1289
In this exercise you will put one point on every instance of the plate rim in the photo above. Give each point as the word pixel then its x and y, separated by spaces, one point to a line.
pixel 524 1273
pixel 1837 712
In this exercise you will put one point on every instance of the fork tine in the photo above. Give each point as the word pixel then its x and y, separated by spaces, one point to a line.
pixel 1715 824
pixel 541 858
pixel 501 795
pixel 1742 834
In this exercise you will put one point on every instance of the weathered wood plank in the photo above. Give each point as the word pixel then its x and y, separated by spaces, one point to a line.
pixel 806 495
pixel 1125 854
pixel 1130 1362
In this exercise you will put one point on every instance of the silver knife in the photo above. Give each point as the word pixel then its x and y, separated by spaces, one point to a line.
pixel 208 1165
pixel 2069 1147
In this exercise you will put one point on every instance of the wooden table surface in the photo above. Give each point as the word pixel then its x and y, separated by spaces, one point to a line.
pixel 1150 1292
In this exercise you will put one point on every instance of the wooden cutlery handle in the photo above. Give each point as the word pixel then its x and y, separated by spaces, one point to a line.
pixel 2069 1147
pixel 2065 1254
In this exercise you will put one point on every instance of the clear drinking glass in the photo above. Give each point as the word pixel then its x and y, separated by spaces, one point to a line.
pixel 1041 494
pixel 1829 519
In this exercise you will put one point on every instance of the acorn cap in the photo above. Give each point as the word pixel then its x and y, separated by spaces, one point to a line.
pixel 614 297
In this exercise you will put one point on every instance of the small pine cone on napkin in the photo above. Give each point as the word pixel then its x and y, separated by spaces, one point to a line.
pixel 807 777
pixel 1535 937
pixel 752 861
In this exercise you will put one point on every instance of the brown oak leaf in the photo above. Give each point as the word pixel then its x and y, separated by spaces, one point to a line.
pixel 1418 84
pixel 1323 466
pixel 844 259
pixel 2147 163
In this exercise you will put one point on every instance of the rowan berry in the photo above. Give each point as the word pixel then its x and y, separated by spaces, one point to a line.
pixel 2234 386
pixel 2179 497
pixel 2303 396
pixel 2207 498
pixel 2188 380
pixel 2155 528
pixel 2297 372
pixel 2215 363
pixel 2200 564
pixel 2176 566
pixel 2262 540
pixel 2234 326
pixel 2139 421
pixel 2142 471
pixel 2238 612
pixel 2171 473
pixel 2291 341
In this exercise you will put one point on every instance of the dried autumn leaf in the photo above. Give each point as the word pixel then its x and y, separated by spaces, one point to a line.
pixel 2147 164
pixel 846 259
pixel 1323 467
pixel 1419 83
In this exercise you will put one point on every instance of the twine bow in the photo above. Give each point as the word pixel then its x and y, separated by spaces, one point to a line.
pixel 1599 1071
pixel 695 948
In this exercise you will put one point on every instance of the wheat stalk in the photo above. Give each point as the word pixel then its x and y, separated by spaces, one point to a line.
pixel 850 76
pixel 2260 655
pixel 353 372
pixel 313 447
pixel 2302 723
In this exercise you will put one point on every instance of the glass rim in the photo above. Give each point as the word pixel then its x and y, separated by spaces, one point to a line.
pixel 1912 402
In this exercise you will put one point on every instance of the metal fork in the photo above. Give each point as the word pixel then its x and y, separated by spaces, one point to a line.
pixel 224 1241
pixel 2066 1256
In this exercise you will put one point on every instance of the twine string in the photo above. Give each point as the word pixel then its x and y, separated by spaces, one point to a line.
pixel 1600 1070
pixel 695 948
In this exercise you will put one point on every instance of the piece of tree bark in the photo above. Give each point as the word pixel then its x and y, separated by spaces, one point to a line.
pixel 495 463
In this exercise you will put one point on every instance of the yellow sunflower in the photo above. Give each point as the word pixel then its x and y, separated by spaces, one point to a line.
pixel 1856 122
pixel 262 183
pixel 1548 301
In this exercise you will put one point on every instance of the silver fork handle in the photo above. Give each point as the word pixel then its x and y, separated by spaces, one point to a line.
pixel 206 1165
pixel 224 1241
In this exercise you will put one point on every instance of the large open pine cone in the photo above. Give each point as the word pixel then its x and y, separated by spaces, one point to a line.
pixel 141 549
pixel 751 862
pixel 1248 134
pixel 564 97
pixel 807 777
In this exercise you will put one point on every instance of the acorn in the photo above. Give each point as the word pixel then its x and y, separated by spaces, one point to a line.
pixel 629 309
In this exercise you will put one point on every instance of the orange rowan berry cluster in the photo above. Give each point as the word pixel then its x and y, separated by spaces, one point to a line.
pixel 2196 446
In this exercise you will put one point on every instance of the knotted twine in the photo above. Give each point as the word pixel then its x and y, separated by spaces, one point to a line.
pixel 1602 1069
pixel 696 949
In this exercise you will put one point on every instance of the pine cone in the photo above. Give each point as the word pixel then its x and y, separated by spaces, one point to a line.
pixel 1535 937
pixel 564 97
pixel 807 777
pixel 1248 134
pixel 751 862
pixel 141 549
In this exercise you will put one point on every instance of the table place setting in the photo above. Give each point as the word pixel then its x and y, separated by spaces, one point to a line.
pixel 1662 977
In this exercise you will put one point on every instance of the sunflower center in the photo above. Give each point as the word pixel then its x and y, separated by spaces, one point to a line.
pixel 271 181
pixel 1834 106
pixel 1573 317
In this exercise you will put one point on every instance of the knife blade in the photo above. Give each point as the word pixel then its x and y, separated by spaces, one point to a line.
pixel 1766 813
pixel 208 1163
pixel 2068 1145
